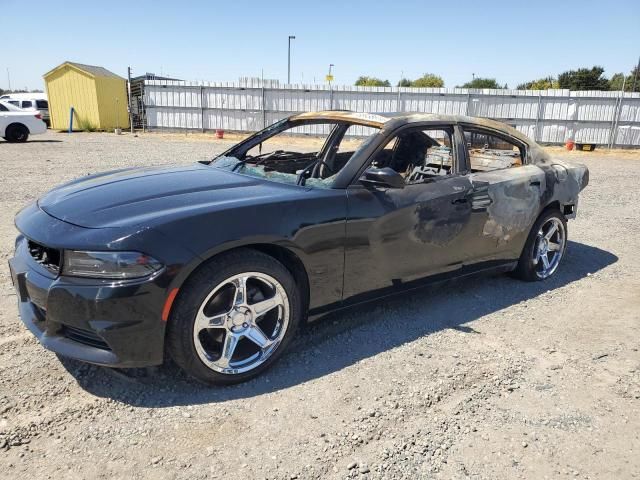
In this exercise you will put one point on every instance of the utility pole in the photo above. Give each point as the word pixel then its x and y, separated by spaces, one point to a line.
pixel 130 103
pixel 291 37
pixel 9 78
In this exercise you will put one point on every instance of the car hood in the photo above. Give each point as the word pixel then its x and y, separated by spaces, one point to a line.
pixel 147 195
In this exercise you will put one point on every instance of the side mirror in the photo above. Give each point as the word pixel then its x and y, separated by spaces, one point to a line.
pixel 382 177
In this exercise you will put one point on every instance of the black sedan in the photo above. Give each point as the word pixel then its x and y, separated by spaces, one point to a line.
pixel 219 263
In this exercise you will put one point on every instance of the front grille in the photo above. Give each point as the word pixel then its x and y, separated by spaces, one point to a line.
pixel 85 337
pixel 49 258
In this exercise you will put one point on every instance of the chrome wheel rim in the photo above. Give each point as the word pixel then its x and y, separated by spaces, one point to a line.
pixel 241 323
pixel 549 247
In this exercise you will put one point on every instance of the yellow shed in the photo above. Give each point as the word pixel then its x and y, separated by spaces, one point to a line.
pixel 98 97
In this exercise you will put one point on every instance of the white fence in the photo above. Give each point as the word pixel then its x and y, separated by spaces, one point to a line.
pixel 549 116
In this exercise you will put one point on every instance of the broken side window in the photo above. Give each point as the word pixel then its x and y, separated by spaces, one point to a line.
pixel 419 155
pixel 489 152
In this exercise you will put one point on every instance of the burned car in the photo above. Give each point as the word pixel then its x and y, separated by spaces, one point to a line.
pixel 218 263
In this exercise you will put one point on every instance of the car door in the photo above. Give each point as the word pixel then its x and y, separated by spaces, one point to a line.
pixel 396 236
pixel 505 198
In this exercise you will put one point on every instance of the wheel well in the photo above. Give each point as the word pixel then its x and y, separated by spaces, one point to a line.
pixel 285 256
pixel 16 124
pixel 555 205
pixel 289 260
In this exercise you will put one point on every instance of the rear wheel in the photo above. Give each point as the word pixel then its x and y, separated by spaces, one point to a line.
pixel 16 134
pixel 544 248
pixel 234 318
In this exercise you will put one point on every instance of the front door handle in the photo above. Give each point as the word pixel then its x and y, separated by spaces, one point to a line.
pixel 534 183
pixel 460 200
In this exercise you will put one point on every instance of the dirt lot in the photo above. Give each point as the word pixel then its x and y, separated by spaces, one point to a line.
pixel 490 378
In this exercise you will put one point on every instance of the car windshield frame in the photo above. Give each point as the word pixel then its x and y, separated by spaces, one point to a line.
pixel 235 160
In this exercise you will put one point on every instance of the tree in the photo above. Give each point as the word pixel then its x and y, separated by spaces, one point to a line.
pixel 482 83
pixel 405 82
pixel 584 79
pixel 364 81
pixel 540 84
pixel 428 80
pixel 616 81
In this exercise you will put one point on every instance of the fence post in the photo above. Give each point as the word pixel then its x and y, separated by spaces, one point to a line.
pixel 330 97
pixel 614 130
pixel 71 120
pixel 264 109
pixel 613 121
pixel 130 102
pixel 537 135
pixel 202 107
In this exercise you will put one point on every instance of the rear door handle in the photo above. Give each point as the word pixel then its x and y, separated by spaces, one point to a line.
pixel 459 200
pixel 534 183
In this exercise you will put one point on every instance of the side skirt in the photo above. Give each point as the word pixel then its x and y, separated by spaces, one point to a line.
pixel 402 288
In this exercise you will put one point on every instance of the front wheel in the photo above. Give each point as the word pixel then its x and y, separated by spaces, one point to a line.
pixel 235 317
pixel 544 248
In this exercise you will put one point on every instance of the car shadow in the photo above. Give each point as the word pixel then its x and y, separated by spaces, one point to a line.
pixel 344 338
pixel 37 141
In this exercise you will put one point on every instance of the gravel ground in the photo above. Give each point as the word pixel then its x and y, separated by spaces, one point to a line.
pixel 490 378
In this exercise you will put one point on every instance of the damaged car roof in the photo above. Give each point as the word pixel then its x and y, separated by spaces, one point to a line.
pixel 379 121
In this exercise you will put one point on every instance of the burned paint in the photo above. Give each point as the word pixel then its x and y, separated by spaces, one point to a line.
pixel 514 206
pixel 441 225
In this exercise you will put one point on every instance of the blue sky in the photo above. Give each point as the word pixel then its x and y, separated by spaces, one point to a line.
pixel 511 41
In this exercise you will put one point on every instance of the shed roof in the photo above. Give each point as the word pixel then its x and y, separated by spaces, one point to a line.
pixel 92 70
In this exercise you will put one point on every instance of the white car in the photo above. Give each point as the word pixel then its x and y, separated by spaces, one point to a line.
pixel 29 101
pixel 16 124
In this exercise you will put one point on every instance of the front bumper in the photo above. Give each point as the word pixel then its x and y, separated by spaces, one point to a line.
pixel 116 324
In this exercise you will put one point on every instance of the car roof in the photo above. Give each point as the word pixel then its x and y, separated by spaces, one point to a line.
pixel 10 106
pixel 398 119
pixel 24 96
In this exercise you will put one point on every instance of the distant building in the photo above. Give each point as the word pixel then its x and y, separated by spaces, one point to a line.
pixel 98 97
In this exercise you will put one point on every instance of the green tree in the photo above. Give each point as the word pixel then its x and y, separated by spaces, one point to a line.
pixel 405 82
pixel 364 81
pixel 584 79
pixel 616 81
pixel 482 83
pixel 540 84
pixel 428 80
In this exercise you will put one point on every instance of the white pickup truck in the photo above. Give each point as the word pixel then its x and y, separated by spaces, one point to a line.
pixel 17 124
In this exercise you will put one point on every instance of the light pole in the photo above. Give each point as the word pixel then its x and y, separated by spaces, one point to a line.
pixel 291 37
pixel 330 76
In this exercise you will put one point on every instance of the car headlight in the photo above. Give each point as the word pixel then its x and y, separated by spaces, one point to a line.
pixel 112 265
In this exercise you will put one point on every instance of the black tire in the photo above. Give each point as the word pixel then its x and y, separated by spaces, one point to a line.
pixel 526 269
pixel 16 133
pixel 179 340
